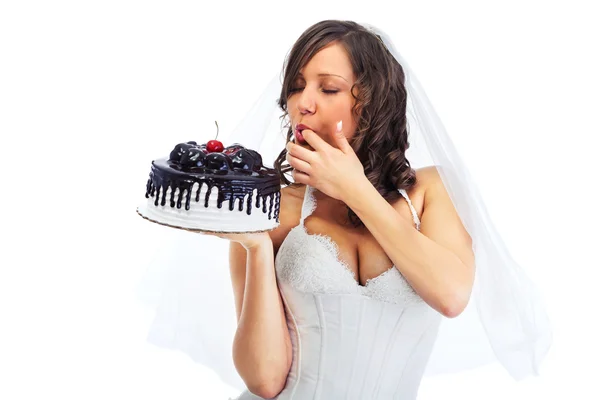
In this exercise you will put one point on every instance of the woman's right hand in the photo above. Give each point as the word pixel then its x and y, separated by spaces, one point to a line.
pixel 247 240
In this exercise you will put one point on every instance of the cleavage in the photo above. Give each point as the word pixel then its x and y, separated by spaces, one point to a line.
pixel 357 248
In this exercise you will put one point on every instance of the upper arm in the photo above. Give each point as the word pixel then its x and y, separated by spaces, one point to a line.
pixel 440 221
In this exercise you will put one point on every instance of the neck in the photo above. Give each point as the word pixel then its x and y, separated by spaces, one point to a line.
pixel 335 208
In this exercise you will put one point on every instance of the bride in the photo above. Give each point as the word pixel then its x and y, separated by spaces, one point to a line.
pixel 348 296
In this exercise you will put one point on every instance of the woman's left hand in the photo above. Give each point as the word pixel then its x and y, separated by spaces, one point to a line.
pixel 335 172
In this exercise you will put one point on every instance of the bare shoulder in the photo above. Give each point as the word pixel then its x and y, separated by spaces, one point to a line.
pixel 289 213
pixel 429 185
pixel 428 176
pixel 432 185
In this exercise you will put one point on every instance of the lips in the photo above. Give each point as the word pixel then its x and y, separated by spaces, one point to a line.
pixel 298 133
pixel 298 137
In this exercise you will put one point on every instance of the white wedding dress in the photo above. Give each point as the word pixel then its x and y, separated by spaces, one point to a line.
pixel 349 341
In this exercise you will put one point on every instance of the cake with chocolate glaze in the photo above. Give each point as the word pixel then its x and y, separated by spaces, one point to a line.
pixel 210 188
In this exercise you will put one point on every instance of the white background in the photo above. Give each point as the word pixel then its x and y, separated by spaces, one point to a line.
pixel 90 92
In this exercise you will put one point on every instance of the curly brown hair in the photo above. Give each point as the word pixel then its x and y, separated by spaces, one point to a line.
pixel 381 139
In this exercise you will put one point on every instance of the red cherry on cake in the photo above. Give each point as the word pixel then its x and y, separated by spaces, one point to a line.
pixel 214 146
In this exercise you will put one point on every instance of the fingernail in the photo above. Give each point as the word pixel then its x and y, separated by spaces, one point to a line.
pixel 339 126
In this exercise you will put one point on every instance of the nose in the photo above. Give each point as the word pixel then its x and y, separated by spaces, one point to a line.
pixel 306 102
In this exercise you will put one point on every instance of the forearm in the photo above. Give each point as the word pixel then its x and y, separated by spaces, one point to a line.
pixel 435 273
pixel 261 344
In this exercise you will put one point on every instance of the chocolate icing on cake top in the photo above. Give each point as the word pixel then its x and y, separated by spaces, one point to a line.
pixel 236 172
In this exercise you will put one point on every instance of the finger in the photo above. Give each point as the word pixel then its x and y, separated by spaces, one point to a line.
pixel 301 177
pixel 315 141
pixel 298 164
pixel 300 152
pixel 340 139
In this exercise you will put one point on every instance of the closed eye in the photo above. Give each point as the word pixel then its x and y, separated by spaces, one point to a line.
pixel 294 90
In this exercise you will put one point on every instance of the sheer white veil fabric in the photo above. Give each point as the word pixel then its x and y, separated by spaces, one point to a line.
pixel 189 287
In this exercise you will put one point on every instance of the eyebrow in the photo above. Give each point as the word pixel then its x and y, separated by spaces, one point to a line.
pixel 326 74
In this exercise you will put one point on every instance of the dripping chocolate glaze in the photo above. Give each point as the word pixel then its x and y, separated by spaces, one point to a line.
pixel 233 186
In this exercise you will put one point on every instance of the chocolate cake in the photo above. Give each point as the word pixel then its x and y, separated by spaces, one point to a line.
pixel 210 188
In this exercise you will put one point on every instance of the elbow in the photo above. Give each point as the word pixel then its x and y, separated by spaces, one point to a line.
pixel 451 310
pixel 265 376
pixel 267 388
pixel 452 306
pixel 457 296
pixel 265 385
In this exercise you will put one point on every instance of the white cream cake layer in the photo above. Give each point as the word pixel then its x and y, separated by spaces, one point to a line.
pixel 212 218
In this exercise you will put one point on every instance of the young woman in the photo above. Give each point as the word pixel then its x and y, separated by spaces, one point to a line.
pixel 345 299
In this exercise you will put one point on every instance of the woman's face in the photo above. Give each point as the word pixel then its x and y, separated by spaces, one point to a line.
pixel 321 97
